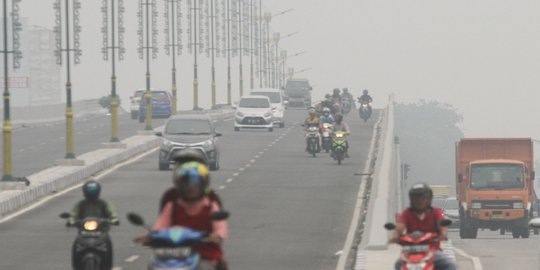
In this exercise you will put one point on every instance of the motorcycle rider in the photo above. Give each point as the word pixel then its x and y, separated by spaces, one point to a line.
pixel 93 206
pixel 365 98
pixel 421 216
pixel 311 121
pixel 193 209
pixel 183 156
pixel 326 117
pixel 327 103
pixel 346 94
pixel 339 125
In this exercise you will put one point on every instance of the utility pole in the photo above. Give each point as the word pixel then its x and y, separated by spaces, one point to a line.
pixel 240 48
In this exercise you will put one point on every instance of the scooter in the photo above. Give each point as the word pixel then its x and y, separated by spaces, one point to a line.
pixel 172 246
pixel 365 111
pixel 313 140
pixel 92 243
pixel 346 105
pixel 418 248
pixel 339 146
pixel 326 137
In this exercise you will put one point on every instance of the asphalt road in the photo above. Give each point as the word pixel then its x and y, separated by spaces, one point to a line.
pixel 37 147
pixel 288 210
pixel 502 252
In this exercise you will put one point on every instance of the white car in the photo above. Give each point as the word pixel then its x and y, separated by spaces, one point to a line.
pixel 135 102
pixel 451 211
pixel 276 98
pixel 254 112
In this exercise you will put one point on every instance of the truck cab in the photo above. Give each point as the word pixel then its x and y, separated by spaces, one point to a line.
pixel 297 93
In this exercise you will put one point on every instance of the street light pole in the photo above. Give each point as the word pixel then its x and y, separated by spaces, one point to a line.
pixel 251 49
pixel 275 60
pixel 229 84
pixel 240 50
pixel 113 47
pixel 195 67
pixel 172 44
pixel 213 54
pixel 268 18
pixel 7 128
pixel 260 45
pixel 144 46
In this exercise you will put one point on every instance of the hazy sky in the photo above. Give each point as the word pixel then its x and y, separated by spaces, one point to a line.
pixel 481 56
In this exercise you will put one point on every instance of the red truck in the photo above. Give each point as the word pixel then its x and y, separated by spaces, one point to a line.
pixel 494 185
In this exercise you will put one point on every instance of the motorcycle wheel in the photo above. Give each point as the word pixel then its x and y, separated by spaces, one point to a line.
pixel 90 265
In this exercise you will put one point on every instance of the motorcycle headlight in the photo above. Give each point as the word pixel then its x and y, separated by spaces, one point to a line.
pixel 518 205
pixel 476 205
pixel 90 225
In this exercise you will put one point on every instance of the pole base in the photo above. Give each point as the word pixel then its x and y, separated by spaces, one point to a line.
pixel 69 162
pixel 12 185
pixel 114 145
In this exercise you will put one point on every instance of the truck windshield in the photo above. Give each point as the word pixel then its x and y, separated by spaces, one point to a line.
pixel 297 85
pixel 496 176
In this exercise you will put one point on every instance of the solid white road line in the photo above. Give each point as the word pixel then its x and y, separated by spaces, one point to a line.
pixel 221 187
pixel 229 180
pixel 475 260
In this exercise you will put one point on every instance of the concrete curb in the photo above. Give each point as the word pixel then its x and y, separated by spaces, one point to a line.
pixel 57 178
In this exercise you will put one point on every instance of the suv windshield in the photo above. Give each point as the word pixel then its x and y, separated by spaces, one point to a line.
pixel 496 176
pixel 297 85
pixel 254 103
pixel 273 96
pixel 139 93
pixel 188 126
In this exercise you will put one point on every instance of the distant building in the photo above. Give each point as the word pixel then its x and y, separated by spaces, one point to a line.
pixel 37 81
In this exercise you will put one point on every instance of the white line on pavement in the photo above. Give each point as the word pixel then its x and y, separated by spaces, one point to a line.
pixel 229 180
pixel 265 149
pixel 221 187
pixel 60 193
pixel 260 153
pixel 241 169
pixel 132 258
pixel 117 268
pixel 248 165
pixel 235 174
pixel 475 260
pixel 257 156
pixel 252 160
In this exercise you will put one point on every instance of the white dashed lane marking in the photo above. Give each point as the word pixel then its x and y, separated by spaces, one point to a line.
pixel 132 258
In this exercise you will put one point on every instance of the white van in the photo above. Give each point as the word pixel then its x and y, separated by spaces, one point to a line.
pixel 254 112
pixel 276 98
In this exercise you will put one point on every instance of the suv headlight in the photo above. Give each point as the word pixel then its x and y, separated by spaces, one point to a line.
pixel 166 144
pixel 208 144
pixel 240 114
pixel 518 205
pixel 268 114
pixel 476 205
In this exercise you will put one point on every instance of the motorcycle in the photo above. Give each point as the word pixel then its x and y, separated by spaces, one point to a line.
pixel 339 146
pixel 326 137
pixel 173 246
pixel 313 140
pixel 418 248
pixel 346 105
pixel 92 243
pixel 365 111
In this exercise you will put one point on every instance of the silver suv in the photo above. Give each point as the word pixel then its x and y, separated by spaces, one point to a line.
pixel 189 131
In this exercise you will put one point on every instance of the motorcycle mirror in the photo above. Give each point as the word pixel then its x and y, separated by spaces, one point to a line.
pixel 446 223
pixel 221 215
pixel 65 215
pixel 135 219
pixel 390 226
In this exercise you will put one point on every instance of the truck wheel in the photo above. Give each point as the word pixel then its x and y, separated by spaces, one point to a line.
pixel 515 232
pixel 536 231
pixel 473 232
pixel 525 232
pixel 502 232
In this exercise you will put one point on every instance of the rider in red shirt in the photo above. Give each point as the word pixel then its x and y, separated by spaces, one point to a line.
pixel 420 216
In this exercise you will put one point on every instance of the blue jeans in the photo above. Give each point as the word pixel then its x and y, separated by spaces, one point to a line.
pixel 441 261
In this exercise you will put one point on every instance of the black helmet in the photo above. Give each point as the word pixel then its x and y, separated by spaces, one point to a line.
pixel 420 189
pixel 336 91
pixel 338 118
pixel 365 91
pixel 189 154
pixel 91 190
pixel 345 90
